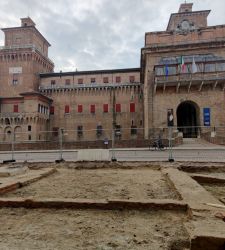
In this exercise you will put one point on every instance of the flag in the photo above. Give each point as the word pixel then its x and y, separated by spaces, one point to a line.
pixel 183 66
pixel 166 70
pixel 194 66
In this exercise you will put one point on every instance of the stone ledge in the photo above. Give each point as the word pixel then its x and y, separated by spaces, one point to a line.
pixel 94 204
pixel 190 191
pixel 207 234
pixel 8 186
pixel 207 178
pixel 206 231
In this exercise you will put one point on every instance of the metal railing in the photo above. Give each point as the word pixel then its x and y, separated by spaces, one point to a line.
pixel 122 144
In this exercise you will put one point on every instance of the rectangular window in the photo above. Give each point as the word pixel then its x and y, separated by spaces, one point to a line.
pixel 210 67
pixel 132 107
pixel 79 130
pixel 80 108
pixel 105 108
pixel 52 110
pixel 133 130
pixel 80 81
pixel 118 79
pixel 105 80
pixel 132 78
pixel 29 128
pixel 15 80
pixel 92 108
pixel 118 108
pixel 118 131
pixel 67 82
pixel 55 131
pixel 67 109
pixel 15 108
pixel 220 67
pixel 159 71
pixel 172 70
pixel 52 82
pixel 93 80
pixel 99 130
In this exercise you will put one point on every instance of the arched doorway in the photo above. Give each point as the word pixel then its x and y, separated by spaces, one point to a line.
pixel 8 134
pixel 188 119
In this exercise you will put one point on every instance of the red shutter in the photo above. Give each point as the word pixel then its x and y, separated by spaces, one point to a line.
pixel 118 108
pixel 92 109
pixel 80 108
pixel 15 108
pixel 105 108
pixel 52 110
pixel 67 109
pixel 132 107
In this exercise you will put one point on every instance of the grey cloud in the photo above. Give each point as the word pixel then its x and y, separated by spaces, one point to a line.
pixel 97 34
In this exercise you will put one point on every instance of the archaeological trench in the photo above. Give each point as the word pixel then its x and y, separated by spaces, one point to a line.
pixel 104 206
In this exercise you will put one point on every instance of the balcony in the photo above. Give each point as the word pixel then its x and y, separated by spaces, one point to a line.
pixel 189 80
pixel 209 70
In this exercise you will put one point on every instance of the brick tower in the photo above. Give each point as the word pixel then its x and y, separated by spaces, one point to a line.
pixel 23 56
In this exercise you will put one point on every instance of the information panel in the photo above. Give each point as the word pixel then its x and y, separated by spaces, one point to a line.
pixel 206 113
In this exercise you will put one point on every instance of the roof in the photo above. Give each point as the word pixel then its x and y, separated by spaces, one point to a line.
pixel 27 27
pixel 35 93
pixel 188 13
pixel 91 72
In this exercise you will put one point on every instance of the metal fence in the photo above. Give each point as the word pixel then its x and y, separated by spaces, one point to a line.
pixel 120 144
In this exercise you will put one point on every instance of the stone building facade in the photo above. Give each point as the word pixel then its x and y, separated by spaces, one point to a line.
pixel 182 72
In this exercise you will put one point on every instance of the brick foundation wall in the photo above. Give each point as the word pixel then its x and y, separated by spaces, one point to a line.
pixel 83 145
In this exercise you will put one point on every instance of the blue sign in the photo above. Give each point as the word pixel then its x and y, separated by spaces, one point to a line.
pixel 206 113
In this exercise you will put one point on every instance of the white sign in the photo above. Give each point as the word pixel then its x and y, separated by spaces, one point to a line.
pixel 15 70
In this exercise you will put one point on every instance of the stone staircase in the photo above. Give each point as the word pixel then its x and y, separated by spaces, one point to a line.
pixel 196 142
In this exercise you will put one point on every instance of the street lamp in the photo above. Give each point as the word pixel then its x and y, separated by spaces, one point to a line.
pixel 113 159
pixel 170 122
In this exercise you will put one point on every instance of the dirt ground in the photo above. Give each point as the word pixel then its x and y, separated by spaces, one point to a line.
pixel 90 229
pixel 217 190
pixel 99 184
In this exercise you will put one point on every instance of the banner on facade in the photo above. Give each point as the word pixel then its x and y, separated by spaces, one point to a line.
pixel 170 118
pixel 206 114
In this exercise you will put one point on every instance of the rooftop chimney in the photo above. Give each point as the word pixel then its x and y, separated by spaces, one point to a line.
pixel 27 21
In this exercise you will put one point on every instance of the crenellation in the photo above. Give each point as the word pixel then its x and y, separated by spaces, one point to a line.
pixel 142 96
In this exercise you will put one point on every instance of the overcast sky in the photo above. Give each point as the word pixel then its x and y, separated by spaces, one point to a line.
pixel 98 34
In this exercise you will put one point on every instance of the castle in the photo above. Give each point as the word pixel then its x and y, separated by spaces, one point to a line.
pixel 182 73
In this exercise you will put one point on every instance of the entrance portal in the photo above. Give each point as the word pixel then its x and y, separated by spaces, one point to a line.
pixel 187 119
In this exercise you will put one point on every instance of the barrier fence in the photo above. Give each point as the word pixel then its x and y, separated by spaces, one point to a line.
pixel 125 144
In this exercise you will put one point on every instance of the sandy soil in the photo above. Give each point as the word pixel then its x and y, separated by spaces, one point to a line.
pixel 90 229
pixel 217 190
pixel 99 184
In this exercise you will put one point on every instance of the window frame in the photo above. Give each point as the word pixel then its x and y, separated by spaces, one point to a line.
pixel 67 109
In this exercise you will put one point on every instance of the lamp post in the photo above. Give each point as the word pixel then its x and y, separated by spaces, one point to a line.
pixel 113 159
pixel 170 121
pixel 13 143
